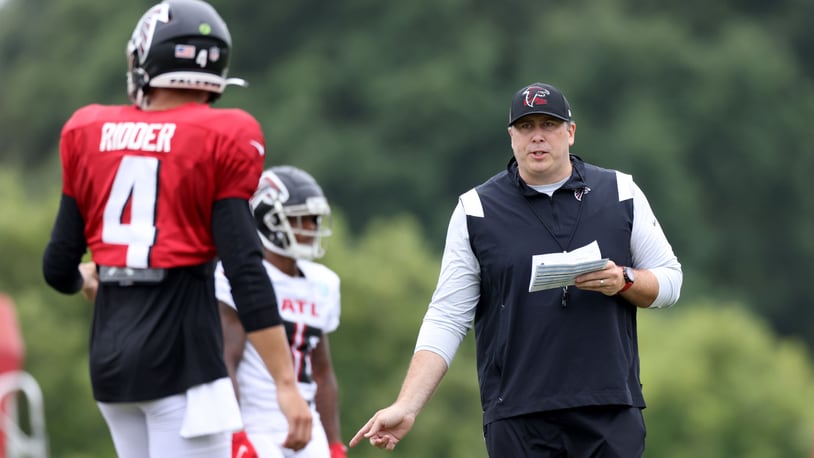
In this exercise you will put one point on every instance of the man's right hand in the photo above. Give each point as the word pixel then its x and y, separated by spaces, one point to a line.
pixel 386 428
pixel 272 345
pixel 299 417
pixel 90 280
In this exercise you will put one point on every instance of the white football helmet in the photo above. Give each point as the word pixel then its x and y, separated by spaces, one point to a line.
pixel 289 202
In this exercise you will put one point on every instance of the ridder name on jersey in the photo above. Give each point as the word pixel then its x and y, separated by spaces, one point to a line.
pixel 137 136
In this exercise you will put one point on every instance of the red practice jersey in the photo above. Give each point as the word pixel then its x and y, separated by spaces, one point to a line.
pixel 145 181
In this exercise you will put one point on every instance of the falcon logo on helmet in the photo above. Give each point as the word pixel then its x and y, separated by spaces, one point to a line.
pixel 291 213
pixel 143 34
pixel 271 185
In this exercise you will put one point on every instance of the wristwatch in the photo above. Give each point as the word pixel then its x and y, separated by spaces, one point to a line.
pixel 627 273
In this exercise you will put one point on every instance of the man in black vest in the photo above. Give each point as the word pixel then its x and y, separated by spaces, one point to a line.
pixel 558 367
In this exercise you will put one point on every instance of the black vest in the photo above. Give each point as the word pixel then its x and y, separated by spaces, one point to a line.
pixel 556 348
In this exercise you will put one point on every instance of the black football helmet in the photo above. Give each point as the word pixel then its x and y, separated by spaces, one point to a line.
pixel 286 196
pixel 181 44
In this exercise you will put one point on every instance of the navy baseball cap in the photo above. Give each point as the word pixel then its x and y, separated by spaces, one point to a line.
pixel 539 98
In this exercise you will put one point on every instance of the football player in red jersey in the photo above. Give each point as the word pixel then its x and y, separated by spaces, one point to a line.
pixel 156 191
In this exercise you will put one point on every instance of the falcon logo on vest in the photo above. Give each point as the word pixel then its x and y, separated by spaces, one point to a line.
pixel 578 193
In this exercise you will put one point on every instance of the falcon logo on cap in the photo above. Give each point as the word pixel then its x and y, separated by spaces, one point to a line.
pixel 536 96
pixel 539 98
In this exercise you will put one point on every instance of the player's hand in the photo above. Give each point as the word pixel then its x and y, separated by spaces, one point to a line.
pixel 242 446
pixel 90 280
pixel 299 417
pixel 386 428
pixel 608 280
pixel 338 450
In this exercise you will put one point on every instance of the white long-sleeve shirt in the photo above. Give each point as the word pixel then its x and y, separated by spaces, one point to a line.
pixel 452 308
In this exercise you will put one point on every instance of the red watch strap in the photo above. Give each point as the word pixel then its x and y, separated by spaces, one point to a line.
pixel 628 280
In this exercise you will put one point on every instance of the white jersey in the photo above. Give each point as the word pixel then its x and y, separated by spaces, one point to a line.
pixel 309 306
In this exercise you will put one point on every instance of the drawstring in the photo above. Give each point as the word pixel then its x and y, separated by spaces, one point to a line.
pixel 564 300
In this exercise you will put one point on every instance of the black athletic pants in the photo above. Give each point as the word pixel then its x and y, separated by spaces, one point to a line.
pixel 585 432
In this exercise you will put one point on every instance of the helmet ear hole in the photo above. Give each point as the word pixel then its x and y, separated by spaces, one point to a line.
pixel 137 85
pixel 281 240
pixel 140 77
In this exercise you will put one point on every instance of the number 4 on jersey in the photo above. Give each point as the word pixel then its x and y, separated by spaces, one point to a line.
pixel 136 183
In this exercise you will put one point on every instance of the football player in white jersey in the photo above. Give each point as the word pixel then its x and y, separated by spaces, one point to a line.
pixel 292 215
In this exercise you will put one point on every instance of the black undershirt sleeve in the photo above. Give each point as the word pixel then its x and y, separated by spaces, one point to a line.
pixel 240 251
pixel 60 262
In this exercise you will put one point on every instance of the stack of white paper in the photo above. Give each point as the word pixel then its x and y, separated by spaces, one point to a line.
pixel 555 270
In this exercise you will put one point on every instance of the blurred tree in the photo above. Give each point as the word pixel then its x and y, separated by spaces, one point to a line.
pixel 719 384
pixel 397 108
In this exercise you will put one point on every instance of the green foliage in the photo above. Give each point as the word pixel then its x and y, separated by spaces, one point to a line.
pixel 718 383
pixel 397 108
pixel 24 229
pixel 388 275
